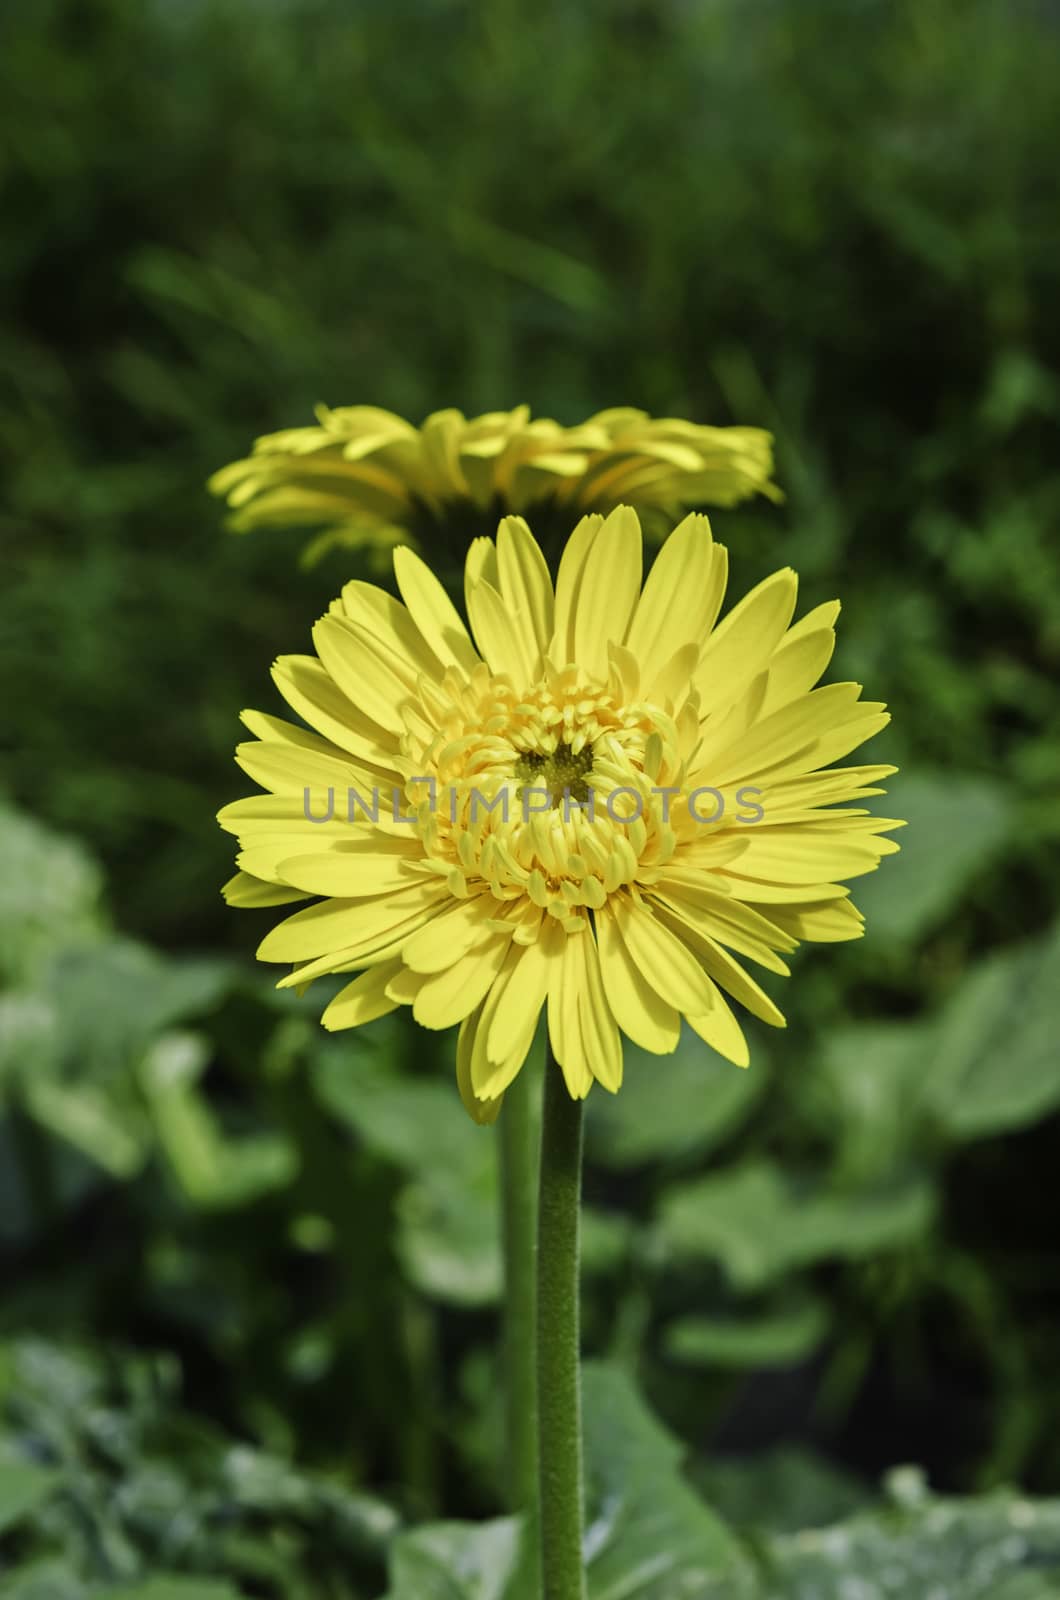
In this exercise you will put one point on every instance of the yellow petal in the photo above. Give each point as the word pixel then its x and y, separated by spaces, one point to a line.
pixel 449 996
pixel 609 590
pixel 364 670
pixel 729 921
pixel 824 921
pixel 290 769
pixel 526 589
pixel 450 934
pixel 681 597
pixel 799 855
pixel 388 621
pixel 662 956
pixel 480 1111
pixel 310 690
pixel 728 973
pixel 353 874
pixel 639 1010
pixel 740 647
pixel 275 730
pixel 564 1021
pixel 433 612
pixel 248 892
pixel 350 925
pixel 364 999
pixel 491 1073
pixel 497 639
pixel 568 587
pixel 599 1030
pixel 720 1029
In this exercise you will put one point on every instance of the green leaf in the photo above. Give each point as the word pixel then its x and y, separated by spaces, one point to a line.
pixel 781 1490
pixel 606 1237
pixel 418 1124
pixel 112 1133
pixel 50 890
pixel 866 1089
pixel 67 1047
pixel 447 1215
pixel 993 1064
pixel 672 1106
pixel 648 1536
pixel 268 1486
pixel 777 1338
pixel 116 997
pixel 214 1172
pixel 985 1549
pixel 985 1064
pixel 29 1037
pixel 760 1222
pixel 46 1579
pixel 456 1561
pixel 448 1235
pixel 957 824
pixel 172 1588
pixel 23 1487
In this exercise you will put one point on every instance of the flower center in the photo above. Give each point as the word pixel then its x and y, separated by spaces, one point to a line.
pixel 551 796
pixel 564 772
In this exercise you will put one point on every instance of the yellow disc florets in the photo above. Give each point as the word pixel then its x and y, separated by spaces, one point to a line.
pixel 557 792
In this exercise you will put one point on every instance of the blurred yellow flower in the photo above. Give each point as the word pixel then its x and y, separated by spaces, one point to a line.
pixel 366 476
pixel 599 800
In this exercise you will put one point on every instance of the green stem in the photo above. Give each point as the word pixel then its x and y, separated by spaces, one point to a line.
pixel 519 1144
pixel 558 1370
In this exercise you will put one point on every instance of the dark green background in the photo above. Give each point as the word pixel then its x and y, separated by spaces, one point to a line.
pixel 835 220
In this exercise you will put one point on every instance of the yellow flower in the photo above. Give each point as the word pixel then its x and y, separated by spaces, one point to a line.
pixel 599 800
pixel 366 476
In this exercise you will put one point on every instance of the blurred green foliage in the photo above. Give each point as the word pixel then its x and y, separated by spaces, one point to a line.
pixel 833 218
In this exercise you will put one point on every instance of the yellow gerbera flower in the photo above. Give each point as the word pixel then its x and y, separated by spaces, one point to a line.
pixel 596 801
pixel 367 476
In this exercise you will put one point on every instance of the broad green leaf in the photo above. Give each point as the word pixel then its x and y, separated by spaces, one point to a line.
pixel 23 1487
pixel 67 1046
pixel 446 1217
pixel 117 996
pixel 172 1588
pixel 760 1222
pixel 29 1037
pixel 671 1106
pixel 448 1235
pixel 606 1237
pixel 985 1064
pixel 781 1490
pixel 456 1561
pixel 111 1131
pixel 263 1484
pixel 957 823
pixel 994 1060
pixel 777 1338
pixel 415 1123
pixel 866 1089
pixel 214 1171
pixel 47 1579
pixel 50 891
pixel 999 1547
pixel 648 1536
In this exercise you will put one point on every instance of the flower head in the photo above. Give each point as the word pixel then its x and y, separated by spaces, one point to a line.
pixel 599 800
pixel 366 476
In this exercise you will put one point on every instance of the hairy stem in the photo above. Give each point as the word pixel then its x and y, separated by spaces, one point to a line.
pixel 558 1367
pixel 520 1142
